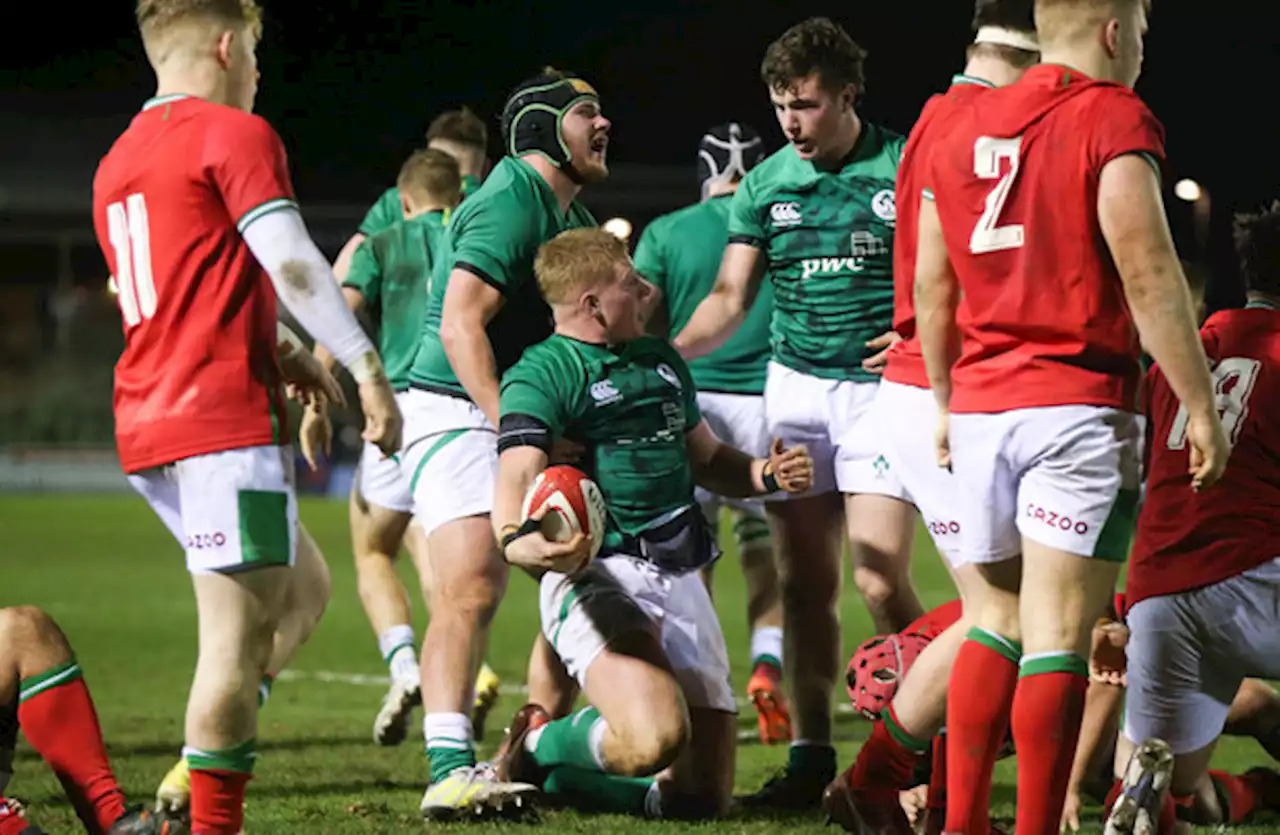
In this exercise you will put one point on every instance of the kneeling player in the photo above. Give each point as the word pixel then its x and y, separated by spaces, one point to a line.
pixel 636 626
pixel 43 692
pixel 1204 581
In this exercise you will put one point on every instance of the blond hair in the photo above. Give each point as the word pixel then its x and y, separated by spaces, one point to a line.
pixel 577 259
pixel 430 176
pixel 157 19
pixel 1066 19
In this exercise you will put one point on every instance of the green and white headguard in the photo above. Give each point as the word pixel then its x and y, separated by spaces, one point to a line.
pixel 533 119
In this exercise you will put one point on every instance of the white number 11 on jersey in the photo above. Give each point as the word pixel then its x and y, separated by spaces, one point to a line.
pixel 131 239
pixel 988 153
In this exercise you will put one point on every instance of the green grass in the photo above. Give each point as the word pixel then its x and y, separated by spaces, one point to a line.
pixel 111 575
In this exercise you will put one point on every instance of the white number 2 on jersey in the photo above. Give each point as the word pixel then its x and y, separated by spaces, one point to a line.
pixel 131 239
pixel 1233 382
pixel 988 153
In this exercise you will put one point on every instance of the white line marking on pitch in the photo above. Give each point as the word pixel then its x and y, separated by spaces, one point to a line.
pixel 330 677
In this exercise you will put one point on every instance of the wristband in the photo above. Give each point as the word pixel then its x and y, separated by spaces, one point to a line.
pixel 368 367
pixel 768 479
pixel 510 533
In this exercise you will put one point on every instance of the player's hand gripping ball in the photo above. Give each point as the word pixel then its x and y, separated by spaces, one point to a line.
pixel 567 502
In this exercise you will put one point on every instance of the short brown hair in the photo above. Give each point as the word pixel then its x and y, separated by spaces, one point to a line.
pixel 156 16
pixel 461 126
pixel 816 45
pixel 575 260
pixel 431 176
pixel 1257 238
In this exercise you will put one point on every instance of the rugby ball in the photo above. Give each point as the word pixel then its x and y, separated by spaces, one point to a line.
pixel 573 503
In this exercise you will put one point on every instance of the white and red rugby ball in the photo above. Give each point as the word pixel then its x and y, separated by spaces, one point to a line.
pixel 573 503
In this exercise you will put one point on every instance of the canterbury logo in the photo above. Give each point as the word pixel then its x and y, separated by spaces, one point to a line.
pixel 785 214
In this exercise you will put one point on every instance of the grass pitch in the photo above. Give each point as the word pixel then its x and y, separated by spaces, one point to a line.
pixel 112 576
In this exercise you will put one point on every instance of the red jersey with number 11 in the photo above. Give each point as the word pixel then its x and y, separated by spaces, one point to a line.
pixel 1043 315
pixel 199 372
pixel 1188 540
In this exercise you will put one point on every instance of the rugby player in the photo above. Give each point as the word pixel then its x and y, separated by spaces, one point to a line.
pixel 635 626
pixel 200 245
pixel 388 280
pixel 817 218
pixel 1202 589
pixel 377 525
pixel 1037 409
pixel 880 666
pixel 679 254
pixel 43 691
pixel 459 133
pixel 484 310
pixel 904 412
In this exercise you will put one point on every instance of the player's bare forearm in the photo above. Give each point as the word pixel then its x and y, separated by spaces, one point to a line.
pixel 1098 729
pixel 342 264
pixel 725 308
pixel 1132 218
pixel 723 469
pixel 517 468
pixel 471 356
pixel 469 305
pixel 936 295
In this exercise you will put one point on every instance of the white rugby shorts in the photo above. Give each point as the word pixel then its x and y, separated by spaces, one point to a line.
pixel 231 511
pixel 738 420
pixel 828 417
pixel 451 457
pixel 382 480
pixel 905 419
pixel 618 595
pixel 1063 476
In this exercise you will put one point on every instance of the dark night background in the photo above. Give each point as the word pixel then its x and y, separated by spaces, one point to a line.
pixel 351 86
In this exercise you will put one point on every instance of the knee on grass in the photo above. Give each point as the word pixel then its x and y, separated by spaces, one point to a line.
pixel 647 741
pixel 31 639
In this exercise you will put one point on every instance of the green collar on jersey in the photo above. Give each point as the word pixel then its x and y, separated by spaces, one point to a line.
pixel 156 101
pixel 1260 304
pixel 961 78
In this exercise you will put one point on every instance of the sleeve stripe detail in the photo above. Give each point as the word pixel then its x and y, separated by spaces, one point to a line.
pixel 927 194
pixel 1154 163
pixel 482 275
pixel 262 210
pixel 749 240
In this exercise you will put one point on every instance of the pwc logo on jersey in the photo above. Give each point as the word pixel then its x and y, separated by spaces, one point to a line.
pixel 605 392
pixel 785 214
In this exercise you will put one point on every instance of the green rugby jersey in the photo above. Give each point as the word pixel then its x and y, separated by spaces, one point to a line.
pixel 392 270
pixel 630 406
pixel 495 234
pixel 828 238
pixel 387 210
pixel 680 254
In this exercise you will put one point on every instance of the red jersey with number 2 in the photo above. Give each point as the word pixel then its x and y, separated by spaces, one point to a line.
pixel 1043 315
pixel 1188 540
pixel 199 373
pixel 905 364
